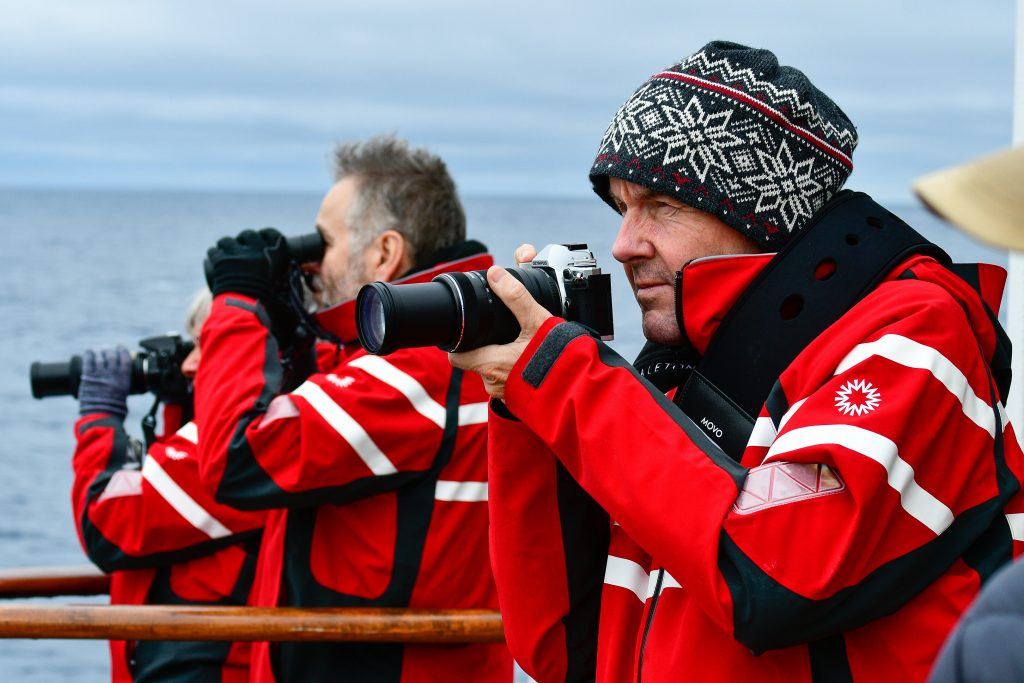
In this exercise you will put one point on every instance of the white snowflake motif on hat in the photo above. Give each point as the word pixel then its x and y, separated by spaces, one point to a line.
pixel 697 137
pixel 857 397
pixel 625 132
pixel 786 185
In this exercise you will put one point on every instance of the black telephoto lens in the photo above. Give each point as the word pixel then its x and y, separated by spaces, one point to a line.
pixel 64 377
pixel 391 317
pixel 485 318
pixel 56 379
pixel 456 312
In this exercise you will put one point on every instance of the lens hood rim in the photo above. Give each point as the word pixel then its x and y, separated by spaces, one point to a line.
pixel 387 303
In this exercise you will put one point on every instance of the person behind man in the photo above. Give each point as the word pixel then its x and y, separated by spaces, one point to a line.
pixel 376 467
pixel 148 520
pixel 868 503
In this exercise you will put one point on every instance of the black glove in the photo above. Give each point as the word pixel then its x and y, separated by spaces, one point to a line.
pixel 106 379
pixel 253 264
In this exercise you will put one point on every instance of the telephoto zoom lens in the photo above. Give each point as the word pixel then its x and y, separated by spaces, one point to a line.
pixel 55 379
pixel 64 377
pixel 456 311
pixel 391 317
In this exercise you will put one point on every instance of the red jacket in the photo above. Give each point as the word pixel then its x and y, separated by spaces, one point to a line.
pixel 877 491
pixel 378 469
pixel 165 541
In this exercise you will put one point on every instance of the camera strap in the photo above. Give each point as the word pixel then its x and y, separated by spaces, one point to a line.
pixel 149 424
pixel 847 250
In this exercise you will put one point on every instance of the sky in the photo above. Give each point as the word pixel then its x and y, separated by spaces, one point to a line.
pixel 251 95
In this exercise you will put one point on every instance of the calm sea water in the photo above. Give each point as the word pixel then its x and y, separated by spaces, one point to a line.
pixel 83 269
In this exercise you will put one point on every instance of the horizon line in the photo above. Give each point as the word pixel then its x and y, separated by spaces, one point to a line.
pixel 188 189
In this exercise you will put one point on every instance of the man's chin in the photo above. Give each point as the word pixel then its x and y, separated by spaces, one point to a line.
pixel 336 298
pixel 661 329
pixel 331 296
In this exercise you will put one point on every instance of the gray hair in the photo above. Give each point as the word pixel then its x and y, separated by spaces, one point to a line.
pixel 198 312
pixel 401 189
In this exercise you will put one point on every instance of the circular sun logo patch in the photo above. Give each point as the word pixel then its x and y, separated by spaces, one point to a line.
pixel 857 397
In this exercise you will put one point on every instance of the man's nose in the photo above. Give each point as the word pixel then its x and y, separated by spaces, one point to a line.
pixel 632 243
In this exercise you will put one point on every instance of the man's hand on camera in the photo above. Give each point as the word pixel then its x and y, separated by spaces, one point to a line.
pixel 494 363
pixel 253 264
pixel 106 379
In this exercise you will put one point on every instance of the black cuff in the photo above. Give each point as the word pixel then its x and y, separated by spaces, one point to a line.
pixel 102 408
pixel 549 350
pixel 256 288
pixel 501 410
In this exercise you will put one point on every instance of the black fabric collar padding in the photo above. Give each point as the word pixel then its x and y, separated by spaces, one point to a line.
pixel 666 367
pixel 786 307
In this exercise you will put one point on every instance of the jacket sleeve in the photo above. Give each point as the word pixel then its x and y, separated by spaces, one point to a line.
pixel 134 512
pixel 549 544
pixel 173 418
pixel 869 487
pixel 371 425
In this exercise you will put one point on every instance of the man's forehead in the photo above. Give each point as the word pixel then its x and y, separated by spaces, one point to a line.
pixel 620 188
pixel 332 217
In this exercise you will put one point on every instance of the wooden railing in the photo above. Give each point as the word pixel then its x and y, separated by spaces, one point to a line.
pixel 48 582
pixel 163 622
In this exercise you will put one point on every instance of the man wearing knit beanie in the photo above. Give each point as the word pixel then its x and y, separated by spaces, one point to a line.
pixel 726 138
pixel 732 133
pixel 842 538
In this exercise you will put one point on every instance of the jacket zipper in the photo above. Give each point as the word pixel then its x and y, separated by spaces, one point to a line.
pixel 679 302
pixel 647 625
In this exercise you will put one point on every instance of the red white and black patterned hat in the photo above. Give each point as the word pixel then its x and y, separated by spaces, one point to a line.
pixel 731 132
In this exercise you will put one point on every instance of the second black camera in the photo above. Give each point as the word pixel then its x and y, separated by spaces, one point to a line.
pixel 458 311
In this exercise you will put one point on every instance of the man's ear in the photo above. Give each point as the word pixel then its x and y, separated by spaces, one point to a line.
pixel 392 258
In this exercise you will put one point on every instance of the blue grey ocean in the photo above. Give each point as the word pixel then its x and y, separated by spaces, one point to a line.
pixel 93 268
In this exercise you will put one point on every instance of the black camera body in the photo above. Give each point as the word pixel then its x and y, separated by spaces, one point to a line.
pixel 156 368
pixel 457 311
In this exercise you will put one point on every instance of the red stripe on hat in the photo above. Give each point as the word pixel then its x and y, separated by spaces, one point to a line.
pixel 764 109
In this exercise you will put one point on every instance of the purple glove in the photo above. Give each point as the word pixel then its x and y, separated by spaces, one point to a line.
pixel 106 378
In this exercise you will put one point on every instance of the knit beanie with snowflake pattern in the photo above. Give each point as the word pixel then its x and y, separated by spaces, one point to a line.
pixel 731 132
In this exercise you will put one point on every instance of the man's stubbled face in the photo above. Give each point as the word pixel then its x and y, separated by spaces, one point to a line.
pixel 658 236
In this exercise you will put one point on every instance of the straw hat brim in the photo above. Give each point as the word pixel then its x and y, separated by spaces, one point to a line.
pixel 984 197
